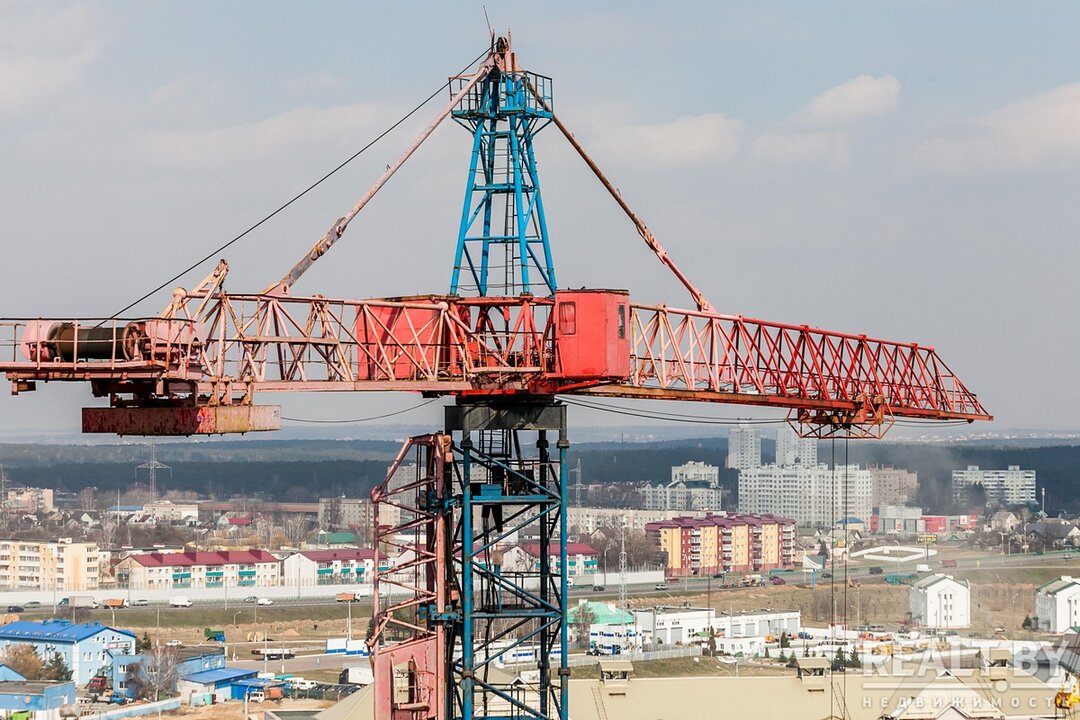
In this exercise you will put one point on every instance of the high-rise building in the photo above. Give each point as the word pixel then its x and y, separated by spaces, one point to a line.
pixel 894 486
pixel 724 543
pixel 744 448
pixel 811 495
pixel 794 450
pixel 1002 487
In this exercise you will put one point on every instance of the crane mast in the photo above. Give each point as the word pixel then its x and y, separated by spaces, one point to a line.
pixel 505 342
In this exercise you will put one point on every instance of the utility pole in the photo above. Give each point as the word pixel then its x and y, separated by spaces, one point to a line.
pixel 152 467
pixel 578 486
pixel 622 566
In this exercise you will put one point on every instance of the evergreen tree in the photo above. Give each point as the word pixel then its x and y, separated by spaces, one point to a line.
pixel 56 669
pixel 785 641
pixel 1027 622
pixel 143 644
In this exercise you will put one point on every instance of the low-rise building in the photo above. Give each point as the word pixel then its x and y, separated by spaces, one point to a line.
pixel 182 571
pixel 169 512
pixel 29 500
pixel 940 601
pixel 85 648
pixel 659 627
pixel 611 630
pixel 329 567
pixel 1057 604
pixel 129 671
pixel 24 700
pixel 580 558
pixel 737 542
pixel 35 565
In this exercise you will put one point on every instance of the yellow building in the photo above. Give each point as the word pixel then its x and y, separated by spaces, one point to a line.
pixel 725 543
pixel 34 565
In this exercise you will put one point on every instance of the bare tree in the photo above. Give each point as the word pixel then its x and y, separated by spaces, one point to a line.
pixel 24 660
pixel 86 498
pixel 296 528
pixel 156 675
pixel 108 532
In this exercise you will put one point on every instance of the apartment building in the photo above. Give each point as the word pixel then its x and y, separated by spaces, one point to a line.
pixel 744 448
pixel 794 450
pixel 29 500
pixel 343 566
pixel 725 543
pixel 187 570
pixel 34 565
pixel 169 512
pixel 812 495
pixel 681 495
pixel 893 486
pixel 1057 604
pixel 1002 487
pixel 580 558
pixel 357 514
pixel 589 519
pixel 940 601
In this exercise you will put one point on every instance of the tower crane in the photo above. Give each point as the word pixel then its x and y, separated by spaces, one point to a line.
pixel 505 342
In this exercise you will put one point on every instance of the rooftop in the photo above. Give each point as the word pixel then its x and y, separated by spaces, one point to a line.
pixel 26 687
pixel 219 675
pixel 340 554
pixel 187 559
pixel 62 631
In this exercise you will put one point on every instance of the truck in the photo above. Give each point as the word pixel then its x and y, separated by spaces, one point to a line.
pixel 214 634
pixel 346 597
pixel 356 675
pixel 180 601
pixel 115 603
pixel 78 601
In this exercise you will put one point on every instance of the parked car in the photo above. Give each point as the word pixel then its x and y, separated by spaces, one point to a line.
pixel 803 635
pixel 779 581
pixel 598 588
pixel 876 570
pixel 718 576
pixel 826 575
pixel 31 604
pixel 141 602
pixel 661 586
pixel 16 609
pixel 264 601
pixel 174 643
pixel 251 599
pixel 948 563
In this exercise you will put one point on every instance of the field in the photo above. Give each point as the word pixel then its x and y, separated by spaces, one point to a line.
pixel 235 710
pixel 691 667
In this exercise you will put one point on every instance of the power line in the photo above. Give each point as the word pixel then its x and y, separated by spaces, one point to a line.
pixel 296 197
pixel 360 420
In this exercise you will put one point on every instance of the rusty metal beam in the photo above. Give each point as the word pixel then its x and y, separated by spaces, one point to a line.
pixel 205 420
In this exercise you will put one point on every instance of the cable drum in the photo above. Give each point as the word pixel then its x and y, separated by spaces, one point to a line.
pixel 68 344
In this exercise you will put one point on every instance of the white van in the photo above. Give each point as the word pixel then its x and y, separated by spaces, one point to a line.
pixel 922 568
pixel 180 601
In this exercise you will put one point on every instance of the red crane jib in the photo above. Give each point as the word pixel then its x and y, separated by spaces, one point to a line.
pixel 197 368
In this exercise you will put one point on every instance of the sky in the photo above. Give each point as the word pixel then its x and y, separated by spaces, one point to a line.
pixel 908 170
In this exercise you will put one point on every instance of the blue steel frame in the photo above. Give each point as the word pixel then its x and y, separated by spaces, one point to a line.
pixel 501 611
pixel 503 113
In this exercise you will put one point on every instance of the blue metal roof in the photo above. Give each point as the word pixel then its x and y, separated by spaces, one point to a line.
pixel 62 631
pixel 220 675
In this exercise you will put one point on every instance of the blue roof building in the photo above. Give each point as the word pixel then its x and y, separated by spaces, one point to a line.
pixel 19 698
pixel 127 669
pixel 85 647
pixel 7 674
pixel 224 683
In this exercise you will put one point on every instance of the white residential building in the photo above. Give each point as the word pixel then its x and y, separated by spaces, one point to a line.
pixel 346 566
pixel 744 448
pixel 698 495
pixel 794 450
pixel 580 558
pixel 1057 605
pixel 810 495
pixel 589 519
pixel 1004 487
pixel 939 601
pixel 34 565
pixel 697 471
pixel 166 511
pixel 683 625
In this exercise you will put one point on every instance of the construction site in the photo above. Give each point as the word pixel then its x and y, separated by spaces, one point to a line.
pixel 511 354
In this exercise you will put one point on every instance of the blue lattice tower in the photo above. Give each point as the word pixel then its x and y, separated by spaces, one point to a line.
pixel 502 242
pixel 507 480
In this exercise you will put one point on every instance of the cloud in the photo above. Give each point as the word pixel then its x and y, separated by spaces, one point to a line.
pixel 44 52
pixel 864 96
pixel 295 131
pixel 797 148
pixel 1039 131
pixel 691 140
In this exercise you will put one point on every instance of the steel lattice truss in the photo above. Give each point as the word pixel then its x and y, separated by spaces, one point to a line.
pixel 223 349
